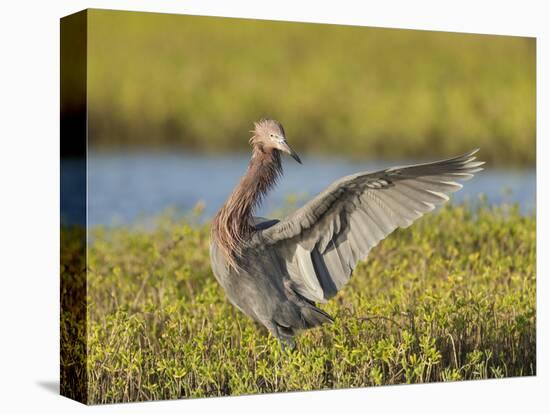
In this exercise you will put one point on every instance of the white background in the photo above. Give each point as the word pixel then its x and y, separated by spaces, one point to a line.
pixel 29 203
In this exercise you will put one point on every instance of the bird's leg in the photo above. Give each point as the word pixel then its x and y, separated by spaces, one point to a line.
pixel 285 336
pixel 287 343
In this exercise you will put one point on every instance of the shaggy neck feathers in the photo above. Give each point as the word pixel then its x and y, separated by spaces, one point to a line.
pixel 232 225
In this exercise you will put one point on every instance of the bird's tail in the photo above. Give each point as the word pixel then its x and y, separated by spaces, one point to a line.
pixel 313 316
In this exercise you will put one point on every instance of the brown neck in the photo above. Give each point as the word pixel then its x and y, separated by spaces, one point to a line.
pixel 232 225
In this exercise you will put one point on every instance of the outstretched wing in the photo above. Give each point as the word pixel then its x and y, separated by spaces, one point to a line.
pixel 322 242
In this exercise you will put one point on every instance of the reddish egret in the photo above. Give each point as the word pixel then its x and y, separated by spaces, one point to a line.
pixel 276 271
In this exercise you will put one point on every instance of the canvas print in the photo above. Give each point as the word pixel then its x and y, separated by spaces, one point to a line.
pixel 255 206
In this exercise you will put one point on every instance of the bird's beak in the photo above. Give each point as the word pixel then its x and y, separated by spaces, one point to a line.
pixel 283 146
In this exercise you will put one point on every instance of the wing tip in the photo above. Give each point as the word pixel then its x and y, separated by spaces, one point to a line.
pixel 470 164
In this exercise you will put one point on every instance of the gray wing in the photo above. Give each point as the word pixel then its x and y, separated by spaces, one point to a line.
pixel 322 242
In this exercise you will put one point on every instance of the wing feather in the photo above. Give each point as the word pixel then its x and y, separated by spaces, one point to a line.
pixel 323 241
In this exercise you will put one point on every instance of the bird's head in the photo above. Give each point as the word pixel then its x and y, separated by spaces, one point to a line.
pixel 269 134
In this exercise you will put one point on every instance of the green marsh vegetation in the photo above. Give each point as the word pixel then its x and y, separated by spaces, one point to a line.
pixel 163 81
pixel 450 298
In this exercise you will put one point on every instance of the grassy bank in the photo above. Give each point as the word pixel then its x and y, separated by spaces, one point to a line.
pixel 451 298
pixel 165 80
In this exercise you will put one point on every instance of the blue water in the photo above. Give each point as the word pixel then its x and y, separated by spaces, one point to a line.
pixel 123 188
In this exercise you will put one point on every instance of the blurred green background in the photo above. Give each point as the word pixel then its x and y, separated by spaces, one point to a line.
pixel 198 83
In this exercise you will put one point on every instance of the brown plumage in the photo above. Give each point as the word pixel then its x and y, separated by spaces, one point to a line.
pixel 233 224
pixel 275 271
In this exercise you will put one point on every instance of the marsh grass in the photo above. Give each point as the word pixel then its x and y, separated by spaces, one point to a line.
pixel 451 298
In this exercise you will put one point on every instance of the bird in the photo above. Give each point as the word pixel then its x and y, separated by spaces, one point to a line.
pixel 278 271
